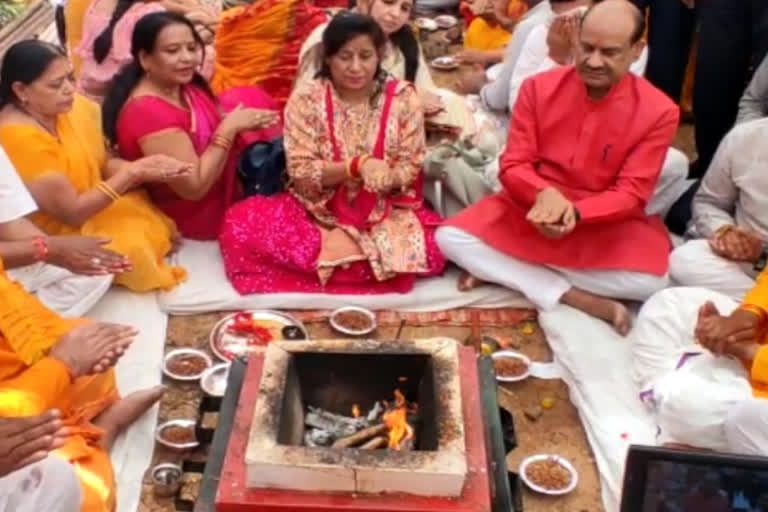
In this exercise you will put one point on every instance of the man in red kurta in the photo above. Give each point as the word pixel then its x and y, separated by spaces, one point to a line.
pixel 585 150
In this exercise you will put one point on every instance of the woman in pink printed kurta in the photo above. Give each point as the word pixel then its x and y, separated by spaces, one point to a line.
pixel 348 238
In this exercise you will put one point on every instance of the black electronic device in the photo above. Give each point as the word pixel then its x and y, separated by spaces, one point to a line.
pixel 660 479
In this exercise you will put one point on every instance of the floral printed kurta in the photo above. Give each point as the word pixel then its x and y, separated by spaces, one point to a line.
pixel 396 242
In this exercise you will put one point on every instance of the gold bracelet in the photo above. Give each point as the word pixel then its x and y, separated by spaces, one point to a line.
pixel 108 190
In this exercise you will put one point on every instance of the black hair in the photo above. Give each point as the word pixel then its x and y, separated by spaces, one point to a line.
pixel 143 41
pixel 406 41
pixel 344 27
pixel 60 20
pixel 25 62
pixel 103 43
pixel 637 14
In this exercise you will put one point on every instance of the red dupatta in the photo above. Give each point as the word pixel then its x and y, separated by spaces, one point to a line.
pixel 357 211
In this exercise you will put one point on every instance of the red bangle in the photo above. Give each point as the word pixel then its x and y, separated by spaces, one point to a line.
pixel 354 167
pixel 41 248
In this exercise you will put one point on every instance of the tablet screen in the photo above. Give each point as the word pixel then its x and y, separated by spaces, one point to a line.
pixel 673 486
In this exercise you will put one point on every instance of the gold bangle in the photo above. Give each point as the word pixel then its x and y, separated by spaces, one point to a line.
pixel 108 190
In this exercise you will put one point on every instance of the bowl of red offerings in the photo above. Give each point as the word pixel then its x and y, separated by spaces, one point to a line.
pixel 511 366
pixel 549 474
pixel 186 364
pixel 353 321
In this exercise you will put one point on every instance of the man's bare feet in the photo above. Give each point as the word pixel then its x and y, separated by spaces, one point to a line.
pixel 612 311
pixel 468 282
pixel 124 412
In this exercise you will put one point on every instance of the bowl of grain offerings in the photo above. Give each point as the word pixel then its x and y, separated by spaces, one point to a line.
pixel 353 321
pixel 511 366
pixel 177 434
pixel 187 364
pixel 549 474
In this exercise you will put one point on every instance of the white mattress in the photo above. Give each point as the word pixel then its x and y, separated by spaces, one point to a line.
pixel 596 365
pixel 208 289
pixel 139 368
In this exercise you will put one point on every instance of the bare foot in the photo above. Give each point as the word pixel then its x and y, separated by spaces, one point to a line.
pixel 124 412
pixel 612 311
pixel 468 282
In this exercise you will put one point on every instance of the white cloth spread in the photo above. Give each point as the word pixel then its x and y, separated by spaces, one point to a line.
pixel 207 289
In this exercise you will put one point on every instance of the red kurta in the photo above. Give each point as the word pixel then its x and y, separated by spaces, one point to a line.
pixel 605 156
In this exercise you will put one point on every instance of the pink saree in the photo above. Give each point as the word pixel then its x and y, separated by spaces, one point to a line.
pixel 144 115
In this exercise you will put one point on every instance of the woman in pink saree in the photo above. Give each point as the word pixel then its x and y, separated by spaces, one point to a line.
pixel 159 104
pixel 353 220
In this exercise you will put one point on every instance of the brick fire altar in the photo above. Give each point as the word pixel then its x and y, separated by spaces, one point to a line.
pixel 269 466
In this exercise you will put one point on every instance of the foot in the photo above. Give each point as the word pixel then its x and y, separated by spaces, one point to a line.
pixel 468 282
pixel 124 412
pixel 612 311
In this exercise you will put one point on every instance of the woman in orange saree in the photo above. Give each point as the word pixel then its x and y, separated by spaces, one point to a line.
pixel 53 138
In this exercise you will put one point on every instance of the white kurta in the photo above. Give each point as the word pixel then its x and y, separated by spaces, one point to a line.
pixel 57 288
pixel 733 192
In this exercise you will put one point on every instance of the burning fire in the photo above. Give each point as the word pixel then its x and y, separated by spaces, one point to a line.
pixel 355 411
pixel 396 421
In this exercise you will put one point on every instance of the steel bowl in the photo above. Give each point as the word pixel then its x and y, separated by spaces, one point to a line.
pixel 214 379
pixel 185 423
pixel 185 352
pixel 353 332
pixel 166 479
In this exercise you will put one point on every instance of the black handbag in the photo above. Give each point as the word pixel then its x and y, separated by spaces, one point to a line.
pixel 261 168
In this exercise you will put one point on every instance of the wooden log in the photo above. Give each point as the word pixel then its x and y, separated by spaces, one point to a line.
pixel 360 437
pixel 375 443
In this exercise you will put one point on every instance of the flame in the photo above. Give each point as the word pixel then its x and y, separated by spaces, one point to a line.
pixel 355 411
pixel 397 423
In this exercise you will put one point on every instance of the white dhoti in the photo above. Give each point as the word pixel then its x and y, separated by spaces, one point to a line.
pixel 542 285
pixel 50 485
pixel 694 264
pixel 698 399
pixel 59 289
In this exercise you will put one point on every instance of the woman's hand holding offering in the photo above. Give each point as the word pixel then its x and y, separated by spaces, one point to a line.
pixel 158 168
pixel 377 176
pixel 243 119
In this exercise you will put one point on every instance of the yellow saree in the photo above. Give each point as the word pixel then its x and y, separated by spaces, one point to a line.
pixel 32 383
pixel 135 227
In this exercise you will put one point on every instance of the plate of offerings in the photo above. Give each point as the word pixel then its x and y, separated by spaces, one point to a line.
pixel 248 332
pixel 426 24
pixel 446 63
pixel 446 21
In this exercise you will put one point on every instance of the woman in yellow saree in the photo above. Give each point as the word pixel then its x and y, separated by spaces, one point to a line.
pixel 53 138
pixel 51 363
